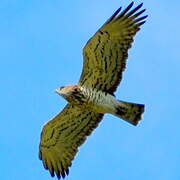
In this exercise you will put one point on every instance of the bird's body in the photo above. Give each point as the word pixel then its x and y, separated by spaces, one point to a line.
pixel 89 98
pixel 101 102
pixel 105 56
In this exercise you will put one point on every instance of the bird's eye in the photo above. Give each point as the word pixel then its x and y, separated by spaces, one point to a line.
pixel 61 87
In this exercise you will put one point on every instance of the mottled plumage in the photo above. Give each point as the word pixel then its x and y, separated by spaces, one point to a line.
pixel 105 56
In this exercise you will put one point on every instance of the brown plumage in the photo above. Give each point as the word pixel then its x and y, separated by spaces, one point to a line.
pixel 105 56
pixel 61 138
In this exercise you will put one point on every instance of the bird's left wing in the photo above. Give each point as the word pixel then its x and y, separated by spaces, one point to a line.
pixel 105 54
pixel 61 137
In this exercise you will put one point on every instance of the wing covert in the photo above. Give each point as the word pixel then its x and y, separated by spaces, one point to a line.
pixel 61 137
pixel 106 52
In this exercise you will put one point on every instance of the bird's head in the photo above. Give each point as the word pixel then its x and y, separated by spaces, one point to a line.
pixel 69 92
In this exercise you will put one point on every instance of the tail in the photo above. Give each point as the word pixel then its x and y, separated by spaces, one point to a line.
pixel 130 112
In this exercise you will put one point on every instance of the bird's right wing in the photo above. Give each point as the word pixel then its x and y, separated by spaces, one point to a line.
pixel 61 137
pixel 105 54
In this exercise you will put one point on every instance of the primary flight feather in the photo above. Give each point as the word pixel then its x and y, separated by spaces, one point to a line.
pixel 105 56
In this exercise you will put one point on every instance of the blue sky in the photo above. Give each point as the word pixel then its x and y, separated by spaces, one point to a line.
pixel 41 49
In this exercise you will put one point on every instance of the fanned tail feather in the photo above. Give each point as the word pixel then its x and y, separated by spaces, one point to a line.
pixel 130 112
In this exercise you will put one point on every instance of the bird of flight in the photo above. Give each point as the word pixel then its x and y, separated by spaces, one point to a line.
pixel 105 56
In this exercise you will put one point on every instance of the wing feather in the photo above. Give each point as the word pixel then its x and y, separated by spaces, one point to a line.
pixel 62 136
pixel 105 54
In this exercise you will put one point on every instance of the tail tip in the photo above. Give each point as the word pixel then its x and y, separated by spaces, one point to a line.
pixel 139 115
pixel 133 114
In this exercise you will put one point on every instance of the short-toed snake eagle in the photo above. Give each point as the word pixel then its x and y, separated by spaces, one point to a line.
pixel 105 56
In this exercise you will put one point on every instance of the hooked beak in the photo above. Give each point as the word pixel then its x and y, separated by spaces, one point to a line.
pixel 57 91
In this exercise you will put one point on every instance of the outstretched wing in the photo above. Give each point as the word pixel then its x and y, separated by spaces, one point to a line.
pixel 106 52
pixel 62 136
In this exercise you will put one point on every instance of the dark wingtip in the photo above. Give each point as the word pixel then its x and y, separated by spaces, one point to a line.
pixel 131 4
pixel 145 16
pixel 139 13
pixel 45 166
pixel 139 6
pixel 141 23
pixel 63 171
pixel 63 175
pixel 58 175
pixel 114 15
pixel 52 173
pixel 67 171
pixel 126 10
pixel 117 11
pixel 40 155
pixel 140 19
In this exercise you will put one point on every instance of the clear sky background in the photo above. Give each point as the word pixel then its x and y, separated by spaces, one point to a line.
pixel 41 45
